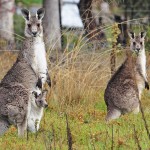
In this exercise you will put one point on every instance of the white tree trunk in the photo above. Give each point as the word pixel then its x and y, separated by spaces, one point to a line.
pixel 51 23
pixel 7 24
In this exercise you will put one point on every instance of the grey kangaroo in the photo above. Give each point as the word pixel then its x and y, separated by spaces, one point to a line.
pixel 137 44
pixel 32 56
pixel 33 47
pixel 122 93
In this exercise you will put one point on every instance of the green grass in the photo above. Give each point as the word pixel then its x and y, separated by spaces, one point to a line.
pixel 88 129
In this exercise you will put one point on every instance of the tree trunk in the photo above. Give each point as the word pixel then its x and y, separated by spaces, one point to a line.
pixel 93 32
pixel 85 8
pixel 51 25
pixel 6 25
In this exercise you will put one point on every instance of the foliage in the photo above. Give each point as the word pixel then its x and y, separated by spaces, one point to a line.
pixel 29 2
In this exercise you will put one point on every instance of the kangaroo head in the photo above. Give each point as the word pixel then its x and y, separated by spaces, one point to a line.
pixel 33 25
pixel 40 99
pixel 137 42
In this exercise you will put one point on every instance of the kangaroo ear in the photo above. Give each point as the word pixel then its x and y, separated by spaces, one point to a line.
pixel 44 93
pixel 25 14
pixel 35 94
pixel 131 35
pixel 40 13
pixel 142 34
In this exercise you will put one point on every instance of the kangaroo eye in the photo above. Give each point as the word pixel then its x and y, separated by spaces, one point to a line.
pixel 141 43
pixel 29 25
pixel 134 43
pixel 38 25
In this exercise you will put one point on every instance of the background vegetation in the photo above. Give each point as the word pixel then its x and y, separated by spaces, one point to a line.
pixel 75 118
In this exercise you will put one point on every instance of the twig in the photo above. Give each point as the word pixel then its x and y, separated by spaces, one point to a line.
pixel 92 142
pixel 136 138
pixel 112 141
pixel 69 136
pixel 144 119
pixel 54 136
pixel 60 137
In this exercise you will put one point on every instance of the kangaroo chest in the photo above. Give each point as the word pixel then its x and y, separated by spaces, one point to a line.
pixel 39 62
pixel 141 65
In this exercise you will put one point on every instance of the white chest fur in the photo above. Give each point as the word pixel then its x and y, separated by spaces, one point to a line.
pixel 141 66
pixel 35 117
pixel 141 63
pixel 39 63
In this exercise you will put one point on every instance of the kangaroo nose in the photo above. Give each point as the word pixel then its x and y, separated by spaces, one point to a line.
pixel 138 49
pixel 46 105
pixel 34 33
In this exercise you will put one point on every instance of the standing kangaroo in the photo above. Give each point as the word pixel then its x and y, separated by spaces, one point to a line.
pixel 31 62
pixel 137 44
pixel 122 93
pixel 33 49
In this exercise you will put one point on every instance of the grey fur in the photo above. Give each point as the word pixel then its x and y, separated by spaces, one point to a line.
pixel 121 95
pixel 21 72
pixel 14 101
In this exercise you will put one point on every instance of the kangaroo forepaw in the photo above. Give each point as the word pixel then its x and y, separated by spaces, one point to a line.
pixel 48 80
pixel 146 85
pixel 49 83
pixel 39 83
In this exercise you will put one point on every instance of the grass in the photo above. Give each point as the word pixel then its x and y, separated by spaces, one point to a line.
pixel 88 129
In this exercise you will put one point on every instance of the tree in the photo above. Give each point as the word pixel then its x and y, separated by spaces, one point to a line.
pixel 51 24
pixel 6 25
pixel 92 30
pixel 85 8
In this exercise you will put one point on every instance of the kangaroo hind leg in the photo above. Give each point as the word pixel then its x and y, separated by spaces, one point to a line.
pixel 22 128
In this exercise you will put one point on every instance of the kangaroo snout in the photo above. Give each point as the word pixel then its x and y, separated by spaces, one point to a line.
pixel 137 49
pixel 34 34
pixel 46 105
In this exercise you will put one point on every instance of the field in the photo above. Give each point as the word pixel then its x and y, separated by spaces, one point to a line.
pixel 76 113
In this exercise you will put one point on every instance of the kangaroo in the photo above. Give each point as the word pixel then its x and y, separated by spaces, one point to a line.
pixel 31 62
pixel 137 45
pixel 121 94
pixel 14 107
pixel 33 49
pixel 37 106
